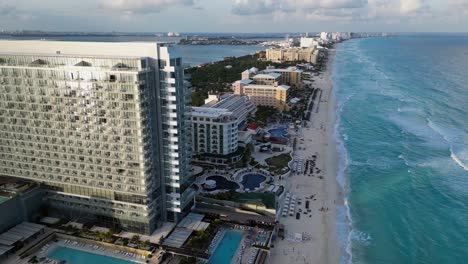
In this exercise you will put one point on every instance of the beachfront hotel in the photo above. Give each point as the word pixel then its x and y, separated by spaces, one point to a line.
pixel 264 89
pixel 102 127
pixel 215 128
pixel 291 76
pixel 295 54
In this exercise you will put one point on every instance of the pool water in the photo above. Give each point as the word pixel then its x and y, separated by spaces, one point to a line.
pixel 3 199
pixel 261 238
pixel 278 135
pixel 73 256
pixel 252 181
pixel 278 132
pixel 226 248
pixel 223 184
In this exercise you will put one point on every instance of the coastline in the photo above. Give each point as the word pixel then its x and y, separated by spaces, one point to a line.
pixel 333 193
pixel 320 226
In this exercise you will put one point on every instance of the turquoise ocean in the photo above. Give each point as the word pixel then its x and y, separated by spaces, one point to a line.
pixel 402 128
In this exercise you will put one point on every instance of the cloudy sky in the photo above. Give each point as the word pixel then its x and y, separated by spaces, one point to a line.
pixel 235 15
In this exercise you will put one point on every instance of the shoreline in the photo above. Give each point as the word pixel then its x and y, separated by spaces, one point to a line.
pixel 331 186
pixel 318 185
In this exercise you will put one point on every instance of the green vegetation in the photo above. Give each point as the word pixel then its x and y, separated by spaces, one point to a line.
pixel 278 163
pixel 135 239
pixel 200 240
pixel 259 199
pixel 33 260
pixel 217 78
pixel 246 156
pixel 263 113
pixel 104 236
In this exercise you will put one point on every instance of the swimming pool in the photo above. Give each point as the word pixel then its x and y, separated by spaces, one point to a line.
pixel 3 199
pixel 252 181
pixel 222 183
pixel 278 135
pixel 73 256
pixel 226 248
pixel 278 132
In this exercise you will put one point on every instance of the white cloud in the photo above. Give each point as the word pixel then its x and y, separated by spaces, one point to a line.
pixel 6 7
pixel 412 6
pixel 387 11
pixel 327 4
pixel 457 6
pixel 142 6
pixel 252 7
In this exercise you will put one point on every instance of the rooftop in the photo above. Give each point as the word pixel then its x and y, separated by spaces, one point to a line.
pixel 289 69
pixel 229 102
pixel 270 75
pixel 192 222
pixel 209 112
pixel 262 86
pixel 19 233
pixel 10 186
pixel 212 113
pixel 253 126
pixel 292 48
pixel 245 81
pixel 70 48
pixel 251 70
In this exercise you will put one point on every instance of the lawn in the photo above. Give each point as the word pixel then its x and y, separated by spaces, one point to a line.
pixel 280 161
pixel 266 199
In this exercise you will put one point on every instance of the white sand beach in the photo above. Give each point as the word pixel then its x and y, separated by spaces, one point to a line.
pixel 318 227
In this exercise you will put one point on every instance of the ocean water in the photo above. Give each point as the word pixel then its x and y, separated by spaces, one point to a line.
pixel 192 55
pixel 403 140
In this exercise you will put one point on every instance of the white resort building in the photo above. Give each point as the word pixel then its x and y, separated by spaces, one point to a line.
pixel 215 128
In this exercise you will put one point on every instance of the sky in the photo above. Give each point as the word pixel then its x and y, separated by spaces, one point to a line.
pixel 256 16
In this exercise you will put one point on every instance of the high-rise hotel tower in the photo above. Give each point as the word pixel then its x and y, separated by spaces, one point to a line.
pixel 102 126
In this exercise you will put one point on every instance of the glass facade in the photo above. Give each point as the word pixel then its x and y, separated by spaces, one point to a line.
pixel 90 129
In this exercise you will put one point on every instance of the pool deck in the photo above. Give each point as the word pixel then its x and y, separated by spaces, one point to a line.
pixel 88 248
pixel 236 176
pixel 245 253
pixel 260 157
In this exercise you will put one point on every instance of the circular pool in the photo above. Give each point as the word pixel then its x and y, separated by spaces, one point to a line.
pixel 252 181
pixel 220 183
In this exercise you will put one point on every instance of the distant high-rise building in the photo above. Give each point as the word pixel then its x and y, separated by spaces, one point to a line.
pixel 324 35
pixel 101 126
pixel 307 42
